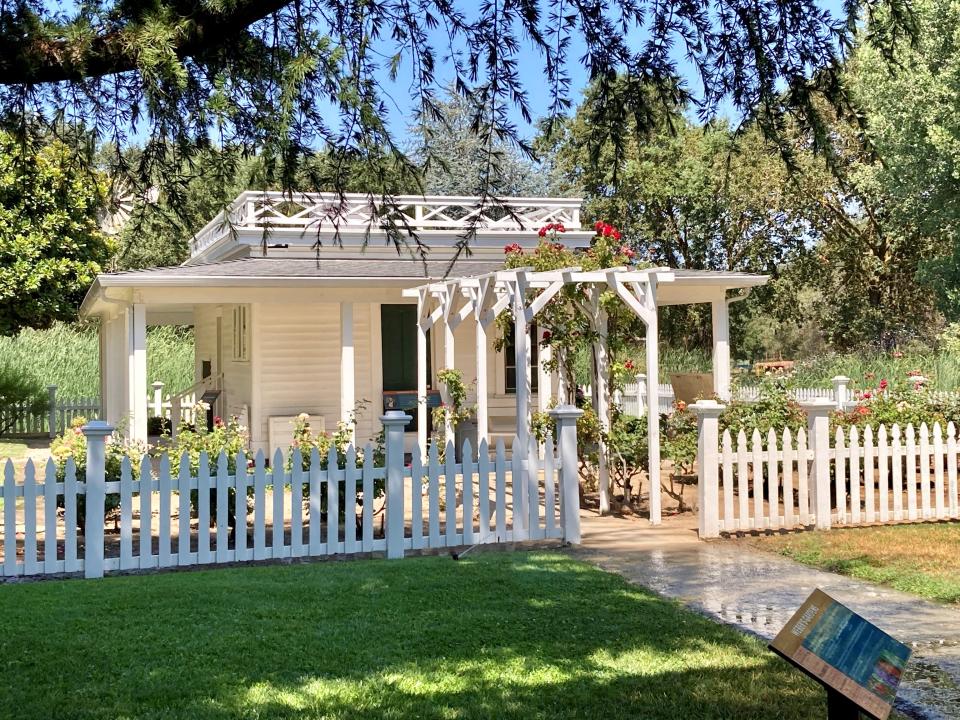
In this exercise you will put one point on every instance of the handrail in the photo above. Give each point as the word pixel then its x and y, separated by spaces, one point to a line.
pixel 272 209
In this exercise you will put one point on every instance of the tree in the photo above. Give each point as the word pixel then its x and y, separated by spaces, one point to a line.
pixel 455 161
pixel 51 247
pixel 703 197
pixel 289 79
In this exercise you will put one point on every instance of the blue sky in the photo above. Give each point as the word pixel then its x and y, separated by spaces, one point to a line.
pixel 403 106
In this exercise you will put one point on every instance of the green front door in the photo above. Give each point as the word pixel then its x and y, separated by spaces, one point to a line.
pixel 398 333
pixel 398 337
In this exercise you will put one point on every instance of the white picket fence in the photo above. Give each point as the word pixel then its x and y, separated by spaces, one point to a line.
pixel 290 513
pixel 812 477
pixel 633 398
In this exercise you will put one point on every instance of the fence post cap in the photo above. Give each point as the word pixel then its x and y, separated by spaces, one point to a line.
pixel 707 408
pixel 817 406
pixel 51 387
pixel 565 412
pixel 838 379
pixel 157 384
pixel 395 418
pixel 97 428
pixel 641 377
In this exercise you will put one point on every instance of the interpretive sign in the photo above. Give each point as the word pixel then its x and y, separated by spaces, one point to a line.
pixel 845 652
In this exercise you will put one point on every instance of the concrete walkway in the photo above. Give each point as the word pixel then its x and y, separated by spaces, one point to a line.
pixel 757 592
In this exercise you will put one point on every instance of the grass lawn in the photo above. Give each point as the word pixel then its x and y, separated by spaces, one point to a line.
pixel 495 635
pixel 920 559
pixel 13 450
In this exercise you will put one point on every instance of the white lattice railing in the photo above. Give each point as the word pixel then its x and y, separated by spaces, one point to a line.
pixel 268 210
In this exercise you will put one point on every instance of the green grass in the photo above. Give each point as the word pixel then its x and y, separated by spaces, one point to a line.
pixel 919 559
pixel 68 356
pixel 495 635
pixel 13 450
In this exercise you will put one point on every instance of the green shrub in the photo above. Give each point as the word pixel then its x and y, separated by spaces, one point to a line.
pixel 68 356
pixel 901 401
pixel 21 393
pixel 73 445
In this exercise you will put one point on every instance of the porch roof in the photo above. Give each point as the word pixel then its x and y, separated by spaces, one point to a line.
pixel 291 272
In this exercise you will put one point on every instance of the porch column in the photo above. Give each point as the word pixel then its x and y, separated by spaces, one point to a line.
pixel 347 366
pixel 421 381
pixel 481 338
pixel 721 347
pixel 653 400
pixel 449 363
pixel 137 372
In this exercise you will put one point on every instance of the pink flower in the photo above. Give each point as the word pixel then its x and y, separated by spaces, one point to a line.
pixel 542 232
pixel 628 364
pixel 867 395
pixel 883 384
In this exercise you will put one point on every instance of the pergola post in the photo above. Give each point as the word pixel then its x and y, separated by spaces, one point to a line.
pixel 602 394
pixel 422 328
pixel 347 366
pixel 720 317
pixel 653 400
pixel 449 361
pixel 477 297
pixel 544 376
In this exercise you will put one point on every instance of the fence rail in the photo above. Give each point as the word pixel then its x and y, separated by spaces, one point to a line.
pixel 293 507
pixel 815 477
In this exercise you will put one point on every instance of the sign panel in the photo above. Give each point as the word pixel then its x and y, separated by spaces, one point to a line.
pixel 844 652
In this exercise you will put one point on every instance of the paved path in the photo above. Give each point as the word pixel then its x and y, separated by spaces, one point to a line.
pixel 757 592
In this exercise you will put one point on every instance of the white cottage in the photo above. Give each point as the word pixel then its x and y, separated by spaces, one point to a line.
pixel 282 328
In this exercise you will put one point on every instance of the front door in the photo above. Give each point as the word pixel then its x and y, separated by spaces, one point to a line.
pixel 398 333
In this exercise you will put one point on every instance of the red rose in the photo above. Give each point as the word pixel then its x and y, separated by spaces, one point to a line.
pixel 543 232
pixel 561 228
pixel 616 234
pixel 598 225
pixel 607 230
pixel 883 384
pixel 547 335
pixel 867 395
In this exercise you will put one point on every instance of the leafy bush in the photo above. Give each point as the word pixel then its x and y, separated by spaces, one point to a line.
pixel 902 401
pixel 19 389
pixel 73 445
pixel 774 408
pixel 191 442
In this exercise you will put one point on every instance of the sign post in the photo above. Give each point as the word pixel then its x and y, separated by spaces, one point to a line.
pixel 858 664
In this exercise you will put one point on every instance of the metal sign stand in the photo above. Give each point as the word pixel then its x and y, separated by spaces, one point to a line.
pixel 840 707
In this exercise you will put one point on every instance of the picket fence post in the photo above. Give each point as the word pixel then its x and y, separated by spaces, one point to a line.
pixel 157 398
pixel 818 437
pixel 708 466
pixel 565 417
pixel 96 432
pixel 841 391
pixel 641 394
pixel 394 423
pixel 52 409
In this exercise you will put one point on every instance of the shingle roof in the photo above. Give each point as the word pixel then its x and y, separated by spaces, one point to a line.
pixel 259 267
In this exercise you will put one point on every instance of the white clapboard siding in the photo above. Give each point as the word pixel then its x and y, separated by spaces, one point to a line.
pixel 883 475
pixel 225 510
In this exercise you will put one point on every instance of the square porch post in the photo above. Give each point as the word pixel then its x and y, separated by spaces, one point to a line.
pixel 137 372
pixel 421 379
pixel 720 321
pixel 347 365
pixel 653 400
pixel 481 341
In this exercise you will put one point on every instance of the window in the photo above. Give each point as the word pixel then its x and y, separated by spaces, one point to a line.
pixel 509 360
pixel 241 334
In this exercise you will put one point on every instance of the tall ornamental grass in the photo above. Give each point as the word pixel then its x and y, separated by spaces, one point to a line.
pixel 68 356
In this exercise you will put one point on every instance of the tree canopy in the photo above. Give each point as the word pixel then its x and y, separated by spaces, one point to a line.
pixel 289 79
pixel 51 247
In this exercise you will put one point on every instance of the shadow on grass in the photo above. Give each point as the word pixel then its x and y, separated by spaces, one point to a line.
pixel 497 635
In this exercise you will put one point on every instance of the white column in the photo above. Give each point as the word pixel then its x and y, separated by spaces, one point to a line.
pixel 394 423
pixel 137 373
pixel 449 362
pixel 421 386
pixel 114 369
pixel 481 337
pixel 347 364
pixel 708 467
pixel 721 347
pixel 602 395
pixel 565 417
pixel 653 404
pixel 521 356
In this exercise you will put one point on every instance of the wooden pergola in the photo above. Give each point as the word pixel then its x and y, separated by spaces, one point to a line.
pixel 525 292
